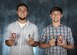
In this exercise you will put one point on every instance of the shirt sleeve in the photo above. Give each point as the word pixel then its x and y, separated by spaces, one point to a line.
pixel 8 33
pixel 70 39
pixel 43 36
pixel 36 34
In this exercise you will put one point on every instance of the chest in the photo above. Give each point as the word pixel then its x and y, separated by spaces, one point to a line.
pixel 23 33
pixel 56 32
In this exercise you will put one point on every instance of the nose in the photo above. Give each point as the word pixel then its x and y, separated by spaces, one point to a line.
pixel 22 11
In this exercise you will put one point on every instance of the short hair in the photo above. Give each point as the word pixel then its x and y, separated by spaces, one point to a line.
pixel 56 9
pixel 22 4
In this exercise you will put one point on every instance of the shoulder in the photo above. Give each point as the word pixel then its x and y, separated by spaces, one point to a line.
pixel 46 28
pixel 32 25
pixel 12 24
pixel 66 27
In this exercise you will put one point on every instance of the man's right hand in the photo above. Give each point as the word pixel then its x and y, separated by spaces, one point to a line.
pixel 9 42
pixel 52 42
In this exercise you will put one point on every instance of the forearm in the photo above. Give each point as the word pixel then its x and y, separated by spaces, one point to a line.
pixel 69 46
pixel 9 42
pixel 44 45
pixel 35 44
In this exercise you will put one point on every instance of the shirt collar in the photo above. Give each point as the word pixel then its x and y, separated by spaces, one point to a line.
pixel 58 26
pixel 27 23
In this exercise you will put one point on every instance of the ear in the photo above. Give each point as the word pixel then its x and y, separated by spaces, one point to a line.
pixel 61 15
pixel 50 15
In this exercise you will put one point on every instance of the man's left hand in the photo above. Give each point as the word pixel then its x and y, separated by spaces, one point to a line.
pixel 30 41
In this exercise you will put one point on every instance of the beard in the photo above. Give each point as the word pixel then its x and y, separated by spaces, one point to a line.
pixel 22 18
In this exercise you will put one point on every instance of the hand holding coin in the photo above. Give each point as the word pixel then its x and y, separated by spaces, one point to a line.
pixel 60 38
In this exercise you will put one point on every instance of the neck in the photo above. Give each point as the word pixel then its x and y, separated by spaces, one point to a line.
pixel 22 21
pixel 56 24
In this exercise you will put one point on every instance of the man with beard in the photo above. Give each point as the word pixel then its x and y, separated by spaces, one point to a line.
pixel 22 35
pixel 56 38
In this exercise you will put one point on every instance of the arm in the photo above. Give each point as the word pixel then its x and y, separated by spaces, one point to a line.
pixel 44 45
pixel 70 41
pixel 34 41
pixel 69 46
pixel 66 46
pixel 9 42
pixel 10 39
pixel 49 44
pixel 36 37
pixel 35 44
